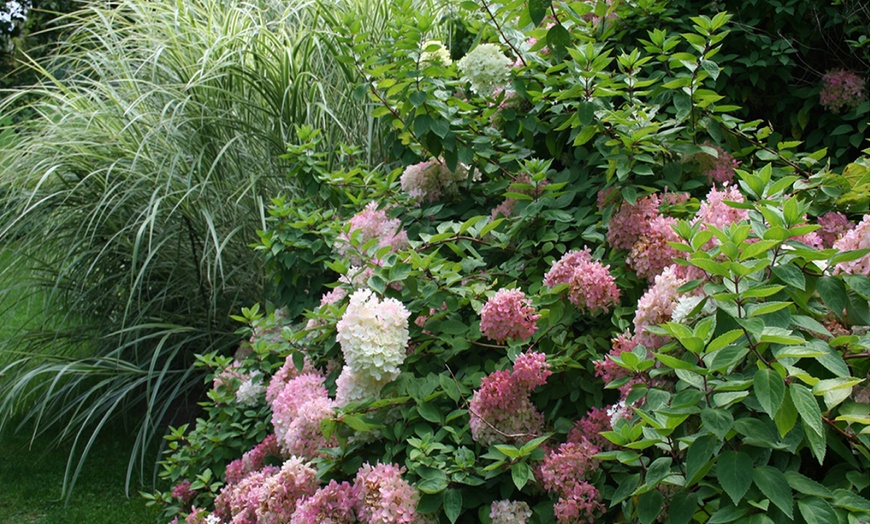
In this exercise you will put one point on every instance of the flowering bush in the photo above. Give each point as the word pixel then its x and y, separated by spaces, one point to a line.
pixel 684 347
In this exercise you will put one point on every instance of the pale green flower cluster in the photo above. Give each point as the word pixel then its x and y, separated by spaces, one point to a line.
pixel 435 52
pixel 485 67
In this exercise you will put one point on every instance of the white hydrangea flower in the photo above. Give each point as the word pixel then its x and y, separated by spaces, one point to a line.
pixel 440 55
pixel 351 387
pixel 212 519
pixel 250 390
pixel 509 512
pixel 373 335
pixel 485 67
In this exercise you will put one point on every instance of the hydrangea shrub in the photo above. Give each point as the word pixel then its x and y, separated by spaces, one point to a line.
pixel 665 325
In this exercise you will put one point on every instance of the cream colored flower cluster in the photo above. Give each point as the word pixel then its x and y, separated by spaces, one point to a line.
pixel 485 67
pixel 373 334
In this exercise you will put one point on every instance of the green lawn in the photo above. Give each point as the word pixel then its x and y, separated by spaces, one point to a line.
pixel 31 477
pixel 31 481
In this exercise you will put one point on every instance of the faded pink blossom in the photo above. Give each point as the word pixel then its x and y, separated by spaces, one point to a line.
pixel 834 225
pixel 631 222
pixel 371 224
pixel 295 411
pixel 656 305
pixel 431 180
pixel 718 169
pixel 252 460
pixel 331 504
pixel 564 268
pixel 592 288
pixel 285 374
pixel 842 89
pixel 566 465
pixel 279 494
pixel 581 504
pixel 501 410
pixel 715 212
pixel 508 315
pixel 385 497
pixel 509 512
pixel 858 238
pixel 591 426
pixel 652 253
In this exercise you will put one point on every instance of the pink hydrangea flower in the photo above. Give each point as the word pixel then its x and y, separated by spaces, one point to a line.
pixel 564 268
pixel 656 305
pixel 280 493
pixel 238 503
pixel 568 464
pixel 430 180
pixel 607 369
pixel 285 374
pixel 385 497
pixel 295 411
pixel 508 315
pixel 858 238
pixel 834 225
pixel 842 89
pixel 652 253
pixel 632 222
pixel 718 169
pixel 183 493
pixel 332 504
pixel 501 411
pixel 592 288
pixel 715 212
pixel 581 504
pixel 252 460
pixel 509 512
pixel 591 426
pixel 371 224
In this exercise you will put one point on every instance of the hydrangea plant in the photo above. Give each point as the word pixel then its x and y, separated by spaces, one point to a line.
pixel 644 334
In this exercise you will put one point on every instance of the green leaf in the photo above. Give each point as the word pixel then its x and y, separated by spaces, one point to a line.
pixel 787 415
pixel 817 511
pixel 765 308
pixel 791 275
pixel 682 507
pixel 452 504
pixel 558 37
pixel 769 390
pixel 734 471
pixel 717 421
pixel 649 505
pixel 430 412
pixel 432 485
pixel 832 291
pixel 521 473
pixel 860 284
pixel 699 458
pixel 625 488
pixel 807 486
pixel 538 10
pixel 724 339
pixel 774 485
pixel 807 407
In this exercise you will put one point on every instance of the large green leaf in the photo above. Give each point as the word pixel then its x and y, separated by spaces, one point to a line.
pixel 774 485
pixel 817 511
pixel 769 390
pixel 734 471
